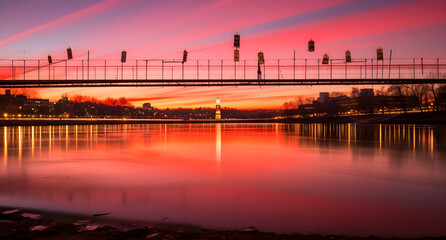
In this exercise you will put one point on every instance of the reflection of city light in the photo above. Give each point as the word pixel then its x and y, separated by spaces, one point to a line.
pixel 32 141
pixel 76 136
pixel 349 133
pixel 277 131
pixel 49 140
pixel 165 136
pixel 91 135
pixel 66 137
pixel 218 143
pixel 380 135
pixel 20 144
pixel 5 147
pixel 414 144
pixel 431 133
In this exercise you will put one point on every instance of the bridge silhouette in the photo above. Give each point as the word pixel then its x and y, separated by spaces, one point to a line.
pixel 32 73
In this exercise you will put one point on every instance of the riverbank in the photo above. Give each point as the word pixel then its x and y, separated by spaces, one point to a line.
pixel 96 121
pixel 32 224
pixel 431 118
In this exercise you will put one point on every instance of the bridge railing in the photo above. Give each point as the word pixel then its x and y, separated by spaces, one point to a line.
pixel 274 69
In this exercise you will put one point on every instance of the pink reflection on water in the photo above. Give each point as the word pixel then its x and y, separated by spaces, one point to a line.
pixel 333 179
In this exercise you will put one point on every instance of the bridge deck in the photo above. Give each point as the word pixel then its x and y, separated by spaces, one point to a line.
pixel 208 83
pixel 167 73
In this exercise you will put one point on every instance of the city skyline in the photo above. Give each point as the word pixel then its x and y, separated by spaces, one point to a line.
pixel 159 29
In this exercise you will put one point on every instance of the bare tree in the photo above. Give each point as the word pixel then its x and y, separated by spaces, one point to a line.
pixel 400 91
pixel 29 93
pixel 418 91
pixel 309 100
pixel 337 94
pixel 434 90
pixel 290 108
pixel 441 95
pixel 355 93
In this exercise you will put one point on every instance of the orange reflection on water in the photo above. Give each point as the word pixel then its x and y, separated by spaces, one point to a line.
pixel 307 178
pixel 5 146
pixel 218 143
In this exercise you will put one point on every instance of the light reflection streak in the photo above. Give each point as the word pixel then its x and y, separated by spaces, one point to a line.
pixel 40 140
pixel 218 143
pixel 314 132
pixel 32 142
pixel 13 137
pixel 5 147
pixel 380 136
pixel 431 136
pixel 324 134
pixel 96 135
pixel 91 135
pixel 20 144
pixel 414 137
pixel 277 131
pixel 339 131
pixel 354 133
pixel 125 134
pixel 66 137
pixel 165 135
pixel 76 136
pixel 49 139
pixel 408 136
pixel 349 133
pixel 404 132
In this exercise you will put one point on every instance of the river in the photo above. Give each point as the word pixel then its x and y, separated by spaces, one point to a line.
pixel 385 180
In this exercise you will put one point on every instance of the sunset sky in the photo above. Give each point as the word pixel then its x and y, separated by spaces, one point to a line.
pixel 160 29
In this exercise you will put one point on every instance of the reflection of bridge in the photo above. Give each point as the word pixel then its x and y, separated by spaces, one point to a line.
pixel 162 73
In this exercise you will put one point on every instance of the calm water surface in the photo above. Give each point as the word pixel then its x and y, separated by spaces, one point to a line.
pixel 387 180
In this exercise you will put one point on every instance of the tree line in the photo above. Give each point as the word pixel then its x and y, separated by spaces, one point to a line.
pixel 392 99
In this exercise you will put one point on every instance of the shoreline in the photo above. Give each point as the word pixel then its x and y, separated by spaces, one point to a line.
pixel 426 118
pixel 36 224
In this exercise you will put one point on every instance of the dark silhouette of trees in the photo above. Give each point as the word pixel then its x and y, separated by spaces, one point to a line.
pixel 399 91
pixel 418 91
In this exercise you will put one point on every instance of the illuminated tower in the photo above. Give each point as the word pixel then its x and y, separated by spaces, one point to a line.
pixel 217 110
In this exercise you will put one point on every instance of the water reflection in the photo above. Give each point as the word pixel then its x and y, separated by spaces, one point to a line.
pixel 416 137
pixel 21 142
pixel 5 146
pixel 217 142
pixel 307 178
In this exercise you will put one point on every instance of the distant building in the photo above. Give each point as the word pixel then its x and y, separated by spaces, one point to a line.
pixel 38 106
pixel 366 92
pixel 323 97
pixel 366 96
pixel 11 104
pixel 63 100
pixel 147 106
pixel 218 110
pixel 37 103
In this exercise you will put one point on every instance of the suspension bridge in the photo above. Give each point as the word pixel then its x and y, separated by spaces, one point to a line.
pixel 39 73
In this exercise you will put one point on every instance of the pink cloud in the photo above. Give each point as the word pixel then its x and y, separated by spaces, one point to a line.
pixel 93 9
